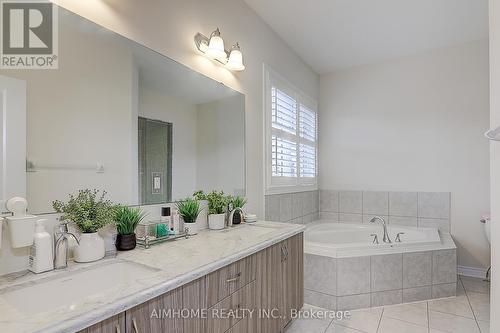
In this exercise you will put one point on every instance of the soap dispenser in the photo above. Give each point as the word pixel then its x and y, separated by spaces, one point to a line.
pixel 41 257
pixel 21 225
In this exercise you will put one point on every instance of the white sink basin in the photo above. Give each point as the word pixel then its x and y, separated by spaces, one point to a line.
pixel 71 289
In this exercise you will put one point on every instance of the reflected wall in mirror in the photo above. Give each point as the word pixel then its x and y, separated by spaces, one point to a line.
pixel 119 117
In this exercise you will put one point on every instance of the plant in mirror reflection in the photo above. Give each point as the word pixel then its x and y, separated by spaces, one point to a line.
pixel 88 209
pixel 238 202
pixel 127 219
pixel 217 201
pixel 189 209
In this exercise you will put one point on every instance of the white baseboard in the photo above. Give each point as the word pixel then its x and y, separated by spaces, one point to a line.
pixel 475 272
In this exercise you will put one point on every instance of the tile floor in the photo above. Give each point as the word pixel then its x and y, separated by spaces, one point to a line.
pixel 469 312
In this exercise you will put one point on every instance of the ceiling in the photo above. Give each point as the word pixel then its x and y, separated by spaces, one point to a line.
pixel 332 35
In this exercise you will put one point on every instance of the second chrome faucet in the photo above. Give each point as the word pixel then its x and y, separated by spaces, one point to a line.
pixel 386 238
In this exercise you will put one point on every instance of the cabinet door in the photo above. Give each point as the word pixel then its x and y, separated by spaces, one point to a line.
pixel 268 290
pixel 115 324
pixel 194 297
pixel 292 283
pixel 154 316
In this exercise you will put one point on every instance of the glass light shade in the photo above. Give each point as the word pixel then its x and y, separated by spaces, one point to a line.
pixel 235 61
pixel 216 48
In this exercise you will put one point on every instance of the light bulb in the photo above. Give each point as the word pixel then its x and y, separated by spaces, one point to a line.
pixel 216 46
pixel 235 61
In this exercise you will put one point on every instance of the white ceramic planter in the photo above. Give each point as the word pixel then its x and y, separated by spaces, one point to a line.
pixel 91 248
pixel 21 230
pixel 192 228
pixel 216 221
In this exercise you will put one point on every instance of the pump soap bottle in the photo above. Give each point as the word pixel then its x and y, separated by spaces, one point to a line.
pixel 41 252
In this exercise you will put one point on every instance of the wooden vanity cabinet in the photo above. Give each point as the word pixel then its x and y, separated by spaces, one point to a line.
pixel 270 283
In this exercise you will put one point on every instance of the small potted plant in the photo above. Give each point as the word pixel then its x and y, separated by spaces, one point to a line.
pixel 90 211
pixel 126 220
pixel 217 206
pixel 189 209
pixel 237 202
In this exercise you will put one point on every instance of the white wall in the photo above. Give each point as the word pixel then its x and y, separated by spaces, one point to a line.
pixel 220 138
pixel 169 27
pixel 414 124
pixel 495 163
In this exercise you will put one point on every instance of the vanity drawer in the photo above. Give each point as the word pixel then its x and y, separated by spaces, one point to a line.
pixel 232 310
pixel 229 279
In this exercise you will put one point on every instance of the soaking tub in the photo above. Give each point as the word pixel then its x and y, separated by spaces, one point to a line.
pixel 344 269
pixel 340 238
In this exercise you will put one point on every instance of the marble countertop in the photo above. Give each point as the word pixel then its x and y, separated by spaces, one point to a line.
pixel 173 265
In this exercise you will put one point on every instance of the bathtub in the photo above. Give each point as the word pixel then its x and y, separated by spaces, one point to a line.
pixel 345 270
pixel 339 238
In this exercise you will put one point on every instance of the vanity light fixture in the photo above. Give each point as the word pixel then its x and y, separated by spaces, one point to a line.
pixel 213 48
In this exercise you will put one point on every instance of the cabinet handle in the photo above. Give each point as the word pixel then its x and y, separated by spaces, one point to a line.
pixel 286 252
pixel 236 278
pixel 118 330
pixel 282 253
pixel 134 323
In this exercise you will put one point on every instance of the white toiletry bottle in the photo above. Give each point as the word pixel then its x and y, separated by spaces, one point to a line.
pixel 41 252
pixel 176 219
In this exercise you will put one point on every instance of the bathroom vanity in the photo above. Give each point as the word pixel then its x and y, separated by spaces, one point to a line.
pixel 254 267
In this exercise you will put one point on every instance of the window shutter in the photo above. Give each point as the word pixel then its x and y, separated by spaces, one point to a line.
pixel 291 137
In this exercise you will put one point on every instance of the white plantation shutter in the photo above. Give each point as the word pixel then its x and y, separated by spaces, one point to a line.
pixel 291 136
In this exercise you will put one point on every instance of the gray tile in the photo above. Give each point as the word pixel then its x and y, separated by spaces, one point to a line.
pixel 387 297
pixel 441 224
pixel 296 205
pixel 444 290
pixel 315 196
pixel 320 274
pixel 310 218
pixel 367 218
pixel 403 221
pixel 305 324
pixel 351 202
pixel 353 276
pixel 297 220
pixel 285 207
pixel 434 205
pixel 475 285
pixel 376 203
pixel 445 322
pixel 386 272
pixel 334 217
pixel 403 204
pixel 417 294
pixel 329 201
pixel 353 302
pixel 273 207
pixel 444 266
pixel 350 218
pixel 417 269
pixel 319 299
pixel 308 202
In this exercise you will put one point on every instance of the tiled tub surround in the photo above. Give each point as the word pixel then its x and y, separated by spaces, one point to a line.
pixel 389 276
pixel 417 209
pixel 300 207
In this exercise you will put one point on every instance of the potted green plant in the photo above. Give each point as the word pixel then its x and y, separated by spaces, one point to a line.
pixel 126 220
pixel 217 208
pixel 90 211
pixel 238 202
pixel 189 209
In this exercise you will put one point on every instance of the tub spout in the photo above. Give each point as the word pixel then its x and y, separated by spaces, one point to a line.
pixel 386 238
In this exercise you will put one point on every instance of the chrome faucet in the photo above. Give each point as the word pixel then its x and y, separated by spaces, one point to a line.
pixel 231 215
pixel 386 238
pixel 61 237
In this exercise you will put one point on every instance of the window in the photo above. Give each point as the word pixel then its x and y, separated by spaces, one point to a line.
pixel 291 137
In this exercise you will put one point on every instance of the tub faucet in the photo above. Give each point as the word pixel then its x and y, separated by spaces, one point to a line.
pixel 386 238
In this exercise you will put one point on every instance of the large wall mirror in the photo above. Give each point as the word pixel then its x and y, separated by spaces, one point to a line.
pixel 119 117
